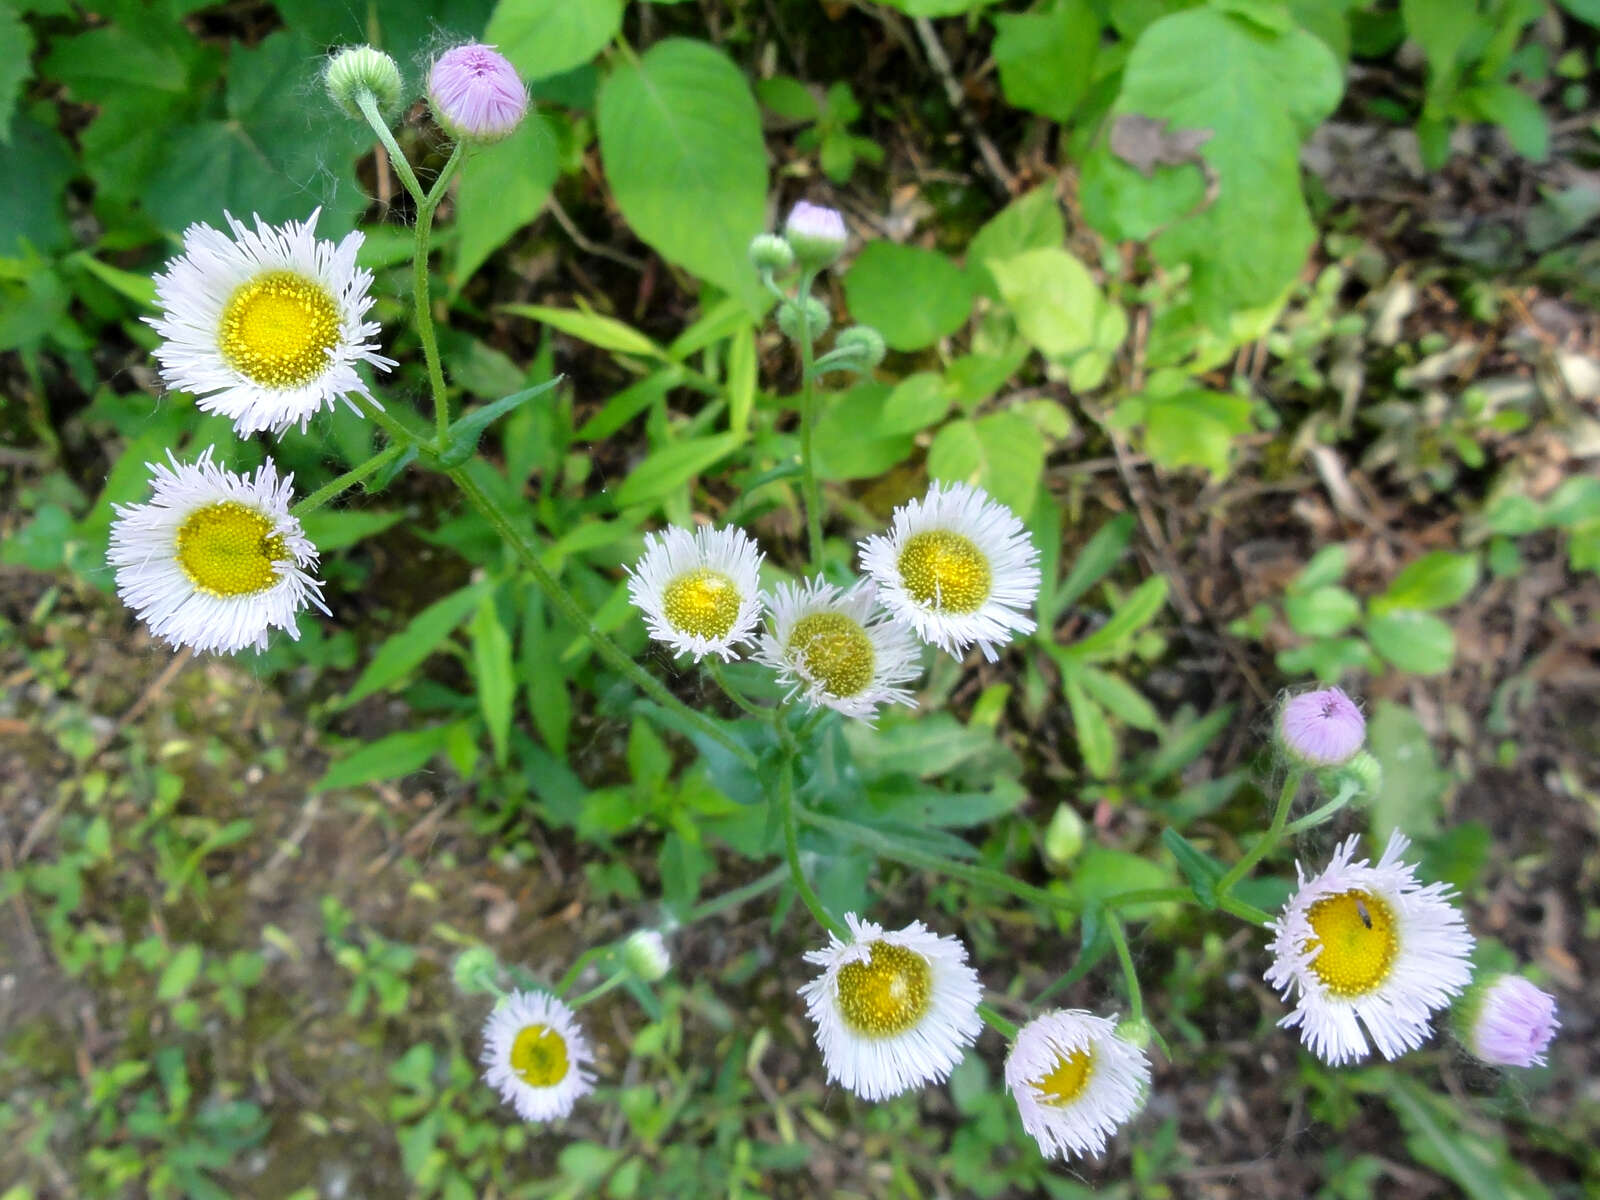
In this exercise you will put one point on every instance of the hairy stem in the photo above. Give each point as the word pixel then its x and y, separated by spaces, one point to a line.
pixel 809 491
pixel 1280 818
pixel 714 668
pixel 420 298
pixel 791 848
pixel 1119 939
pixel 349 479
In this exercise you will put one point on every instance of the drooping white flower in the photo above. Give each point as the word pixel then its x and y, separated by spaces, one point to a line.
pixel 840 647
pixel 1076 1081
pixel 215 559
pixel 700 592
pixel 537 1056
pixel 266 327
pixel 958 568
pixel 1360 946
pixel 894 1010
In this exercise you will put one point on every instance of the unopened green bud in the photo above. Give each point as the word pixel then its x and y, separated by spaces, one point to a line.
pixel 1367 771
pixel 1136 1033
pixel 1064 838
pixel 815 317
pixel 864 344
pixel 645 954
pixel 816 233
pixel 358 69
pixel 769 252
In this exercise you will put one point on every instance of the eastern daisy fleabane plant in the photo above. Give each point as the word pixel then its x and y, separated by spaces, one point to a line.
pixel 892 1010
pixel 1361 946
pixel 699 592
pixel 1323 728
pixel 537 1056
pixel 1075 1080
pixel 476 94
pixel 214 560
pixel 1507 1021
pixel 958 567
pixel 266 327
pixel 840 648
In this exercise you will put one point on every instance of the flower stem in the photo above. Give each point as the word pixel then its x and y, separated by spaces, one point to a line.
pixel 1119 939
pixel 599 989
pixel 573 612
pixel 349 479
pixel 1248 911
pixel 1003 1027
pixel 1348 791
pixel 714 668
pixel 1280 818
pixel 737 896
pixel 368 104
pixel 421 301
pixel 576 969
pixel 791 849
pixel 808 418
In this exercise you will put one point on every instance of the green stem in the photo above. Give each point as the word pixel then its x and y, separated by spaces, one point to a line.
pixel 791 849
pixel 995 1021
pixel 570 609
pixel 348 480
pixel 421 301
pixel 1280 818
pixel 576 969
pixel 1240 909
pixel 402 167
pixel 600 989
pixel 1347 792
pixel 714 667
pixel 808 419
pixel 738 896
pixel 1119 939
pixel 399 433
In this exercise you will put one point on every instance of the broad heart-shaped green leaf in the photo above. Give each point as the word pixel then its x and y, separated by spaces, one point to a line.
pixel 1435 580
pixel 502 188
pixel 1057 305
pixel 1414 641
pixel 1258 94
pixel 16 66
pixel 546 37
pixel 1003 453
pixel 680 136
pixel 38 161
pixel 1030 222
pixel 273 155
pixel 1046 59
pixel 1191 428
pixel 912 296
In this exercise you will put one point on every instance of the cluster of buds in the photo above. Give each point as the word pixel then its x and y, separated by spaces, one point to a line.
pixel 475 93
pixel 813 239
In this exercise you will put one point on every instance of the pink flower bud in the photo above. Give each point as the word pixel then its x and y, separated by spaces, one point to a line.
pixel 477 96
pixel 1322 728
pixel 1514 1024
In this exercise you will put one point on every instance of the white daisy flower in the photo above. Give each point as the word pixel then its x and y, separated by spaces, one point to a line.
pixel 893 1011
pixel 840 647
pixel 699 592
pixel 215 559
pixel 1367 946
pixel 537 1056
pixel 958 567
pixel 1075 1081
pixel 266 327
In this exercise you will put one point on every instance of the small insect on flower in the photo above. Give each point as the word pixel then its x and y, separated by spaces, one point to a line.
pixel 476 94
pixel 1362 946
pixel 1507 1021
pixel 537 1056
pixel 1075 1081
pixel 215 559
pixel 700 592
pixel 958 568
pixel 839 647
pixel 892 1011
pixel 266 327
pixel 1322 728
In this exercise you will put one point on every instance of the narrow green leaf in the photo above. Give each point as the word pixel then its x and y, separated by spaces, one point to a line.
pixel 491 669
pixel 1136 611
pixel 387 758
pixel 1102 552
pixel 606 332
pixel 1120 697
pixel 1199 868
pixel 1095 740
pixel 672 466
pixel 420 638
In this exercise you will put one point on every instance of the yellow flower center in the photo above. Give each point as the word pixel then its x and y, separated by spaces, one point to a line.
pixel 227 549
pixel 834 650
pixel 702 603
pixel 887 994
pixel 1356 932
pixel 539 1056
pixel 1063 1083
pixel 277 329
pixel 945 570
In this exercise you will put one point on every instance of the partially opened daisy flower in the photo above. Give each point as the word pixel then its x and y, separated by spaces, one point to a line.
pixel 1075 1081
pixel 1507 1021
pixel 839 646
pixel 537 1056
pixel 958 568
pixel 700 592
pixel 215 559
pixel 892 1011
pixel 1361 946
pixel 266 327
